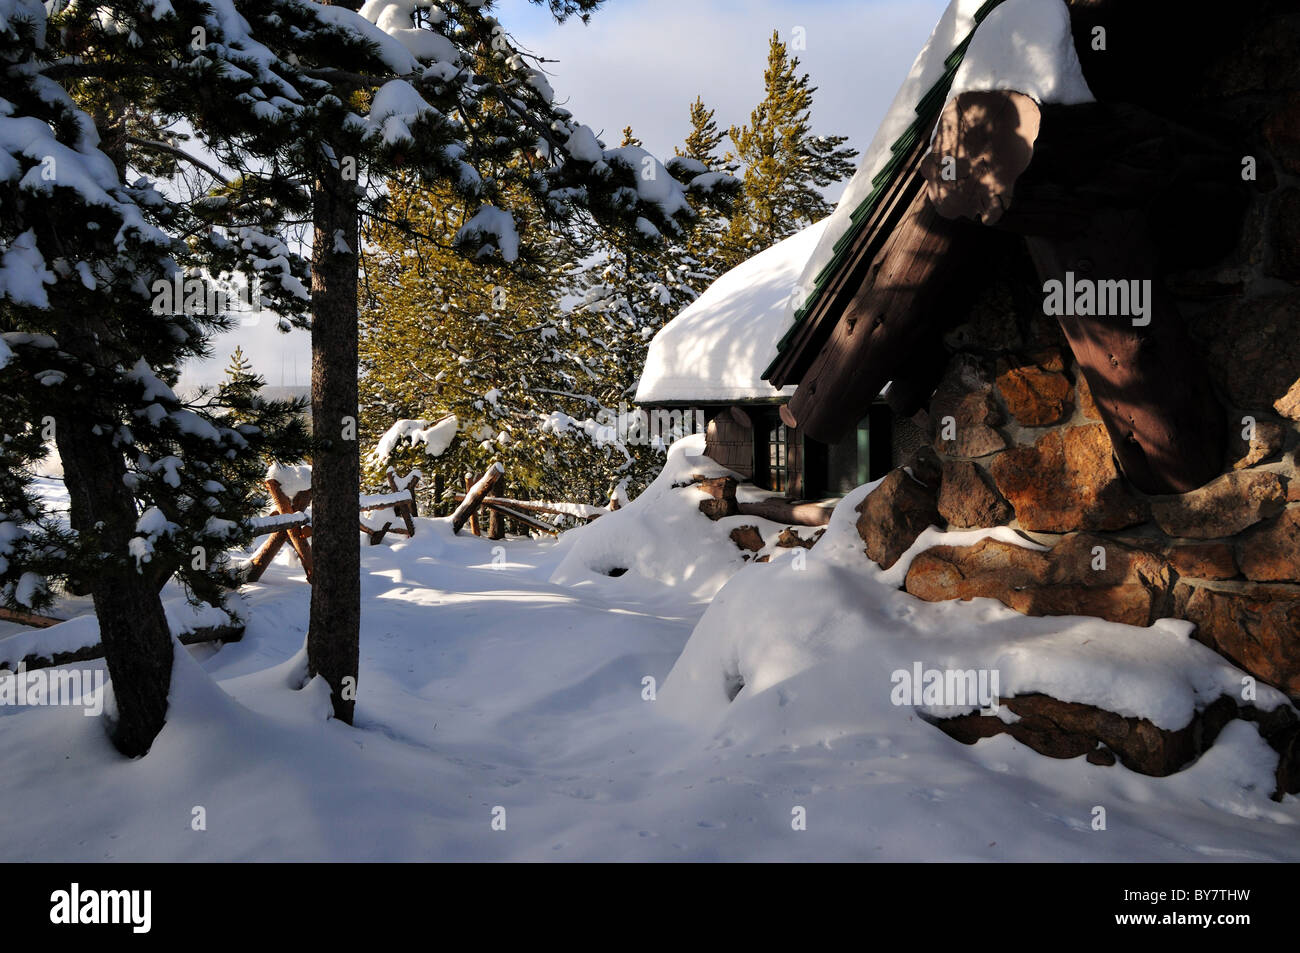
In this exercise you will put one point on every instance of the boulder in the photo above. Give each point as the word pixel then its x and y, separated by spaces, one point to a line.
pixel 967 496
pixel 963 414
pixel 988 569
pixel 1067 481
pixel 1265 441
pixel 1062 729
pixel 926 466
pixel 1284 235
pixel 790 538
pixel 1083 575
pixel 1271 551
pixel 1288 405
pixel 893 515
pixel 1036 396
pixel 1083 397
pixel 1282 132
pixel 722 497
pixel 1223 507
pixel 747 538
pixel 1203 560
pixel 1256 627
pixel 1252 349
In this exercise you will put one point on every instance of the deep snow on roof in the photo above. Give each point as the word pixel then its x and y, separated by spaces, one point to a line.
pixel 717 349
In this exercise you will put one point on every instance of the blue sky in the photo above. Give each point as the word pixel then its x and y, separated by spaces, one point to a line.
pixel 641 62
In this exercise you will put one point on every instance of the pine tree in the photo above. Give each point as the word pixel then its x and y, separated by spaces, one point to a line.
pixel 101 301
pixel 704 258
pixel 785 165
pixel 704 139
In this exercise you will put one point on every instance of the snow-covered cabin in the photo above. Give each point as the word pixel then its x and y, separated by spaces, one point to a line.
pixel 712 357
pixel 1070 263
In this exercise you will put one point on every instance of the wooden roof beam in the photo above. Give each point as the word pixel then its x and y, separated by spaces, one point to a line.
pixel 1084 204
pixel 887 319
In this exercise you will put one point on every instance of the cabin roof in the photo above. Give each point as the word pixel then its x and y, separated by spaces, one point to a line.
pixel 895 150
pixel 716 349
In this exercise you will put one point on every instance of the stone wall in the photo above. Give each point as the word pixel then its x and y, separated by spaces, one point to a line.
pixel 1015 440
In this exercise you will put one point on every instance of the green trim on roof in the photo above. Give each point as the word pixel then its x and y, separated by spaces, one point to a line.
pixel 927 113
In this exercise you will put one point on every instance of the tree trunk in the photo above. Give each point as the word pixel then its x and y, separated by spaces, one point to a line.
pixel 334 633
pixel 132 626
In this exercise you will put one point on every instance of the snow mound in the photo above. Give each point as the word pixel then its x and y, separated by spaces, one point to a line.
pixel 661 536
pixel 718 348
pixel 841 615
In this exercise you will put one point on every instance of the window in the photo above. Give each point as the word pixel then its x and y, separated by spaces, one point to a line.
pixel 778 457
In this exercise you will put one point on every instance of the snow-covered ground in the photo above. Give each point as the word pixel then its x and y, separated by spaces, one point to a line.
pixel 505 676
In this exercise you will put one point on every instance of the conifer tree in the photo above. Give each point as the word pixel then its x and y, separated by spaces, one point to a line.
pixel 704 139
pixel 704 258
pixel 785 165
pixel 103 296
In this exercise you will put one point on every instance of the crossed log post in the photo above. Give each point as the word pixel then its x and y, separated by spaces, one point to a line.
pixel 296 536
pixel 474 496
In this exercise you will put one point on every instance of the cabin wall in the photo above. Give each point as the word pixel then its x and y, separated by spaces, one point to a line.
pixel 728 442
pixel 1012 436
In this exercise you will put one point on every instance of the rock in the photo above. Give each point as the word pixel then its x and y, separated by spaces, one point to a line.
pixel 1288 763
pixel 1035 396
pixel 720 488
pixel 962 412
pixel 893 515
pixel 790 538
pixel 1083 397
pixel 1095 576
pixel 1068 729
pixel 1266 440
pixel 926 466
pixel 1254 627
pixel 1252 350
pixel 718 509
pixel 967 496
pixel 988 569
pixel 1284 235
pixel 747 538
pixel 1203 560
pixel 1223 507
pixel 1271 551
pixel 722 497
pixel 1084 575
pixel 1102 756
pixel 1282 132
pixel 1288 405
pixel 1067 481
